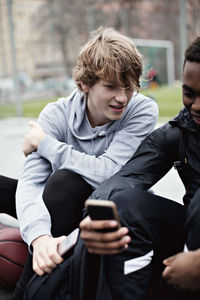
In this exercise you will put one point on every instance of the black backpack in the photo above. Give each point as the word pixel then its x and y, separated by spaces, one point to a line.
pixel 77 278
pixel 61 283
pixel 56 285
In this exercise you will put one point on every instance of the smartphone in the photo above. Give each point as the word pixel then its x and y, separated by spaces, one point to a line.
pixel 68 242
pixel 103 210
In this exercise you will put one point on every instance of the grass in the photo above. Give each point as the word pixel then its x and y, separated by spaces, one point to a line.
pixel 168 99
pixel 33 108
pixel 30 109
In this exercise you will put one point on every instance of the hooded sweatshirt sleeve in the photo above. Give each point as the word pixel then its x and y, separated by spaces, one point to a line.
pixel 135 126
pixel 32 214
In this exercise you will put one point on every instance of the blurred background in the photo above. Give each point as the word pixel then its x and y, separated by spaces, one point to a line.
pixel 40 40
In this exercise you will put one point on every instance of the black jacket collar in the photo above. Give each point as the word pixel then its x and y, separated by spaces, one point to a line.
pixel 184 120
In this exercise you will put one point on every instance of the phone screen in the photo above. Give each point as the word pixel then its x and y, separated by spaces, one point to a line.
pixel 103 210
pixel 100 212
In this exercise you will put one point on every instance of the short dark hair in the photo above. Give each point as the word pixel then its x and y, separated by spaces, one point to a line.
pixel 192 53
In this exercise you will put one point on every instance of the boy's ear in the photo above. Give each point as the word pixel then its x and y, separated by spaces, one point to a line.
pixel 84 87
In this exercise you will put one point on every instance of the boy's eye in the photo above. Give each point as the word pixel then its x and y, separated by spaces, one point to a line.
pixel 129 89
pixel 109 86
pixel 189 94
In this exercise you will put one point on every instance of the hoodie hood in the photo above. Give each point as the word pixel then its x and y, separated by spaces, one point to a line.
pixel 184 120
pixel 79 124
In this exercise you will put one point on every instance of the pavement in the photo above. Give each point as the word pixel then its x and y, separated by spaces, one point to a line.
pixel 12 159
pixel 11 164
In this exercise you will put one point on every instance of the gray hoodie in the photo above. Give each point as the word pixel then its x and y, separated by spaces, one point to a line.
pixel 71 143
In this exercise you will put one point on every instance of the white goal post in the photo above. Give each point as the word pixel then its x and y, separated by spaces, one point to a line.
pixel 168 45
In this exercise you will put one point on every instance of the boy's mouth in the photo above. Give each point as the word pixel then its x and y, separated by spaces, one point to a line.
pixel 196 118
pixel 118 108
pixel 195 115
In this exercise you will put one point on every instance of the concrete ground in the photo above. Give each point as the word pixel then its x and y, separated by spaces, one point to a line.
pixel 12 159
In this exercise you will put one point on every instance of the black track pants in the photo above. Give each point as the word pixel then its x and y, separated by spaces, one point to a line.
pixel 157 228
pixel 7 195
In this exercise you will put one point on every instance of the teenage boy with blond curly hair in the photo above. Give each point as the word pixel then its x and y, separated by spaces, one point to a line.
pixel 77 143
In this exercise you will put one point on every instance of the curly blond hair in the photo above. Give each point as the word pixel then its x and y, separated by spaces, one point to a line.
pixel 109 56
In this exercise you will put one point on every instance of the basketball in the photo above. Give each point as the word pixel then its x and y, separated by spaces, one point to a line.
pixel 13 253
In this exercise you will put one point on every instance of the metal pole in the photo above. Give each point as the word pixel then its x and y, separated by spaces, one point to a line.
pixel 14 60
pixel 183 33
pixel 170 64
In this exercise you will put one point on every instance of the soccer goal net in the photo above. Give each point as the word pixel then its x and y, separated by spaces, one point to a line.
pixel 158 58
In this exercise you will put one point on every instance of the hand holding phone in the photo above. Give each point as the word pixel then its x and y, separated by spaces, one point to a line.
pixel 103 210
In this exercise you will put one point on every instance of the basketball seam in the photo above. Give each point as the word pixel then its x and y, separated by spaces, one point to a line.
pixel 6 258
pixel 12 241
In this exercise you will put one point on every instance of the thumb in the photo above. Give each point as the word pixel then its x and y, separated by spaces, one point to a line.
pixel 169 260
pixel 165 272
pixel 33 124
pixel 61 238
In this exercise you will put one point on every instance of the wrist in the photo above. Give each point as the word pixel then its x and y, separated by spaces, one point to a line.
pixel 39 238
pixel 38 140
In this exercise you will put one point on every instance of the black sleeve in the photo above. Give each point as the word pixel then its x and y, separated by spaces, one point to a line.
pixel 152 160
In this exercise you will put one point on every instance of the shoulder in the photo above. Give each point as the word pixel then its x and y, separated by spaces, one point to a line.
pixel 59 106
pixel 167 135
pixel 140 102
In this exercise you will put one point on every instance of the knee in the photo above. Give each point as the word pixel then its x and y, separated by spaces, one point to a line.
pixel 62 179
pixel 134 204
pixel 65 184
pixel 129 198
pixel 129 202
pixel 59 184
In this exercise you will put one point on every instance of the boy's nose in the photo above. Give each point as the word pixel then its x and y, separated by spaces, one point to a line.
pixel 121 96
pixel 196 104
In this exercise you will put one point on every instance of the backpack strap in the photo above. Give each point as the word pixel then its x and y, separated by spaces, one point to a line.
pixel 84 275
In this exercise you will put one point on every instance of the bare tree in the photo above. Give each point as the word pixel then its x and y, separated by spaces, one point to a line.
pixel 67 23
pixel 193 20
pixel 61 25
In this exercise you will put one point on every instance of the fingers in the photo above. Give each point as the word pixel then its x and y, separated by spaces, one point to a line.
pixel 45 255
pixel 104 237
pixel 169 260
pixel 34 124
pixel 31 123
pixel 43 264
pixel 61 238
pixel 33 138
pixel 166 272
pixel 87 224
pixel 104 243
pixel 108 248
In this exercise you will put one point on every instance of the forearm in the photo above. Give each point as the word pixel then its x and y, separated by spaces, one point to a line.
pixel 32 213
